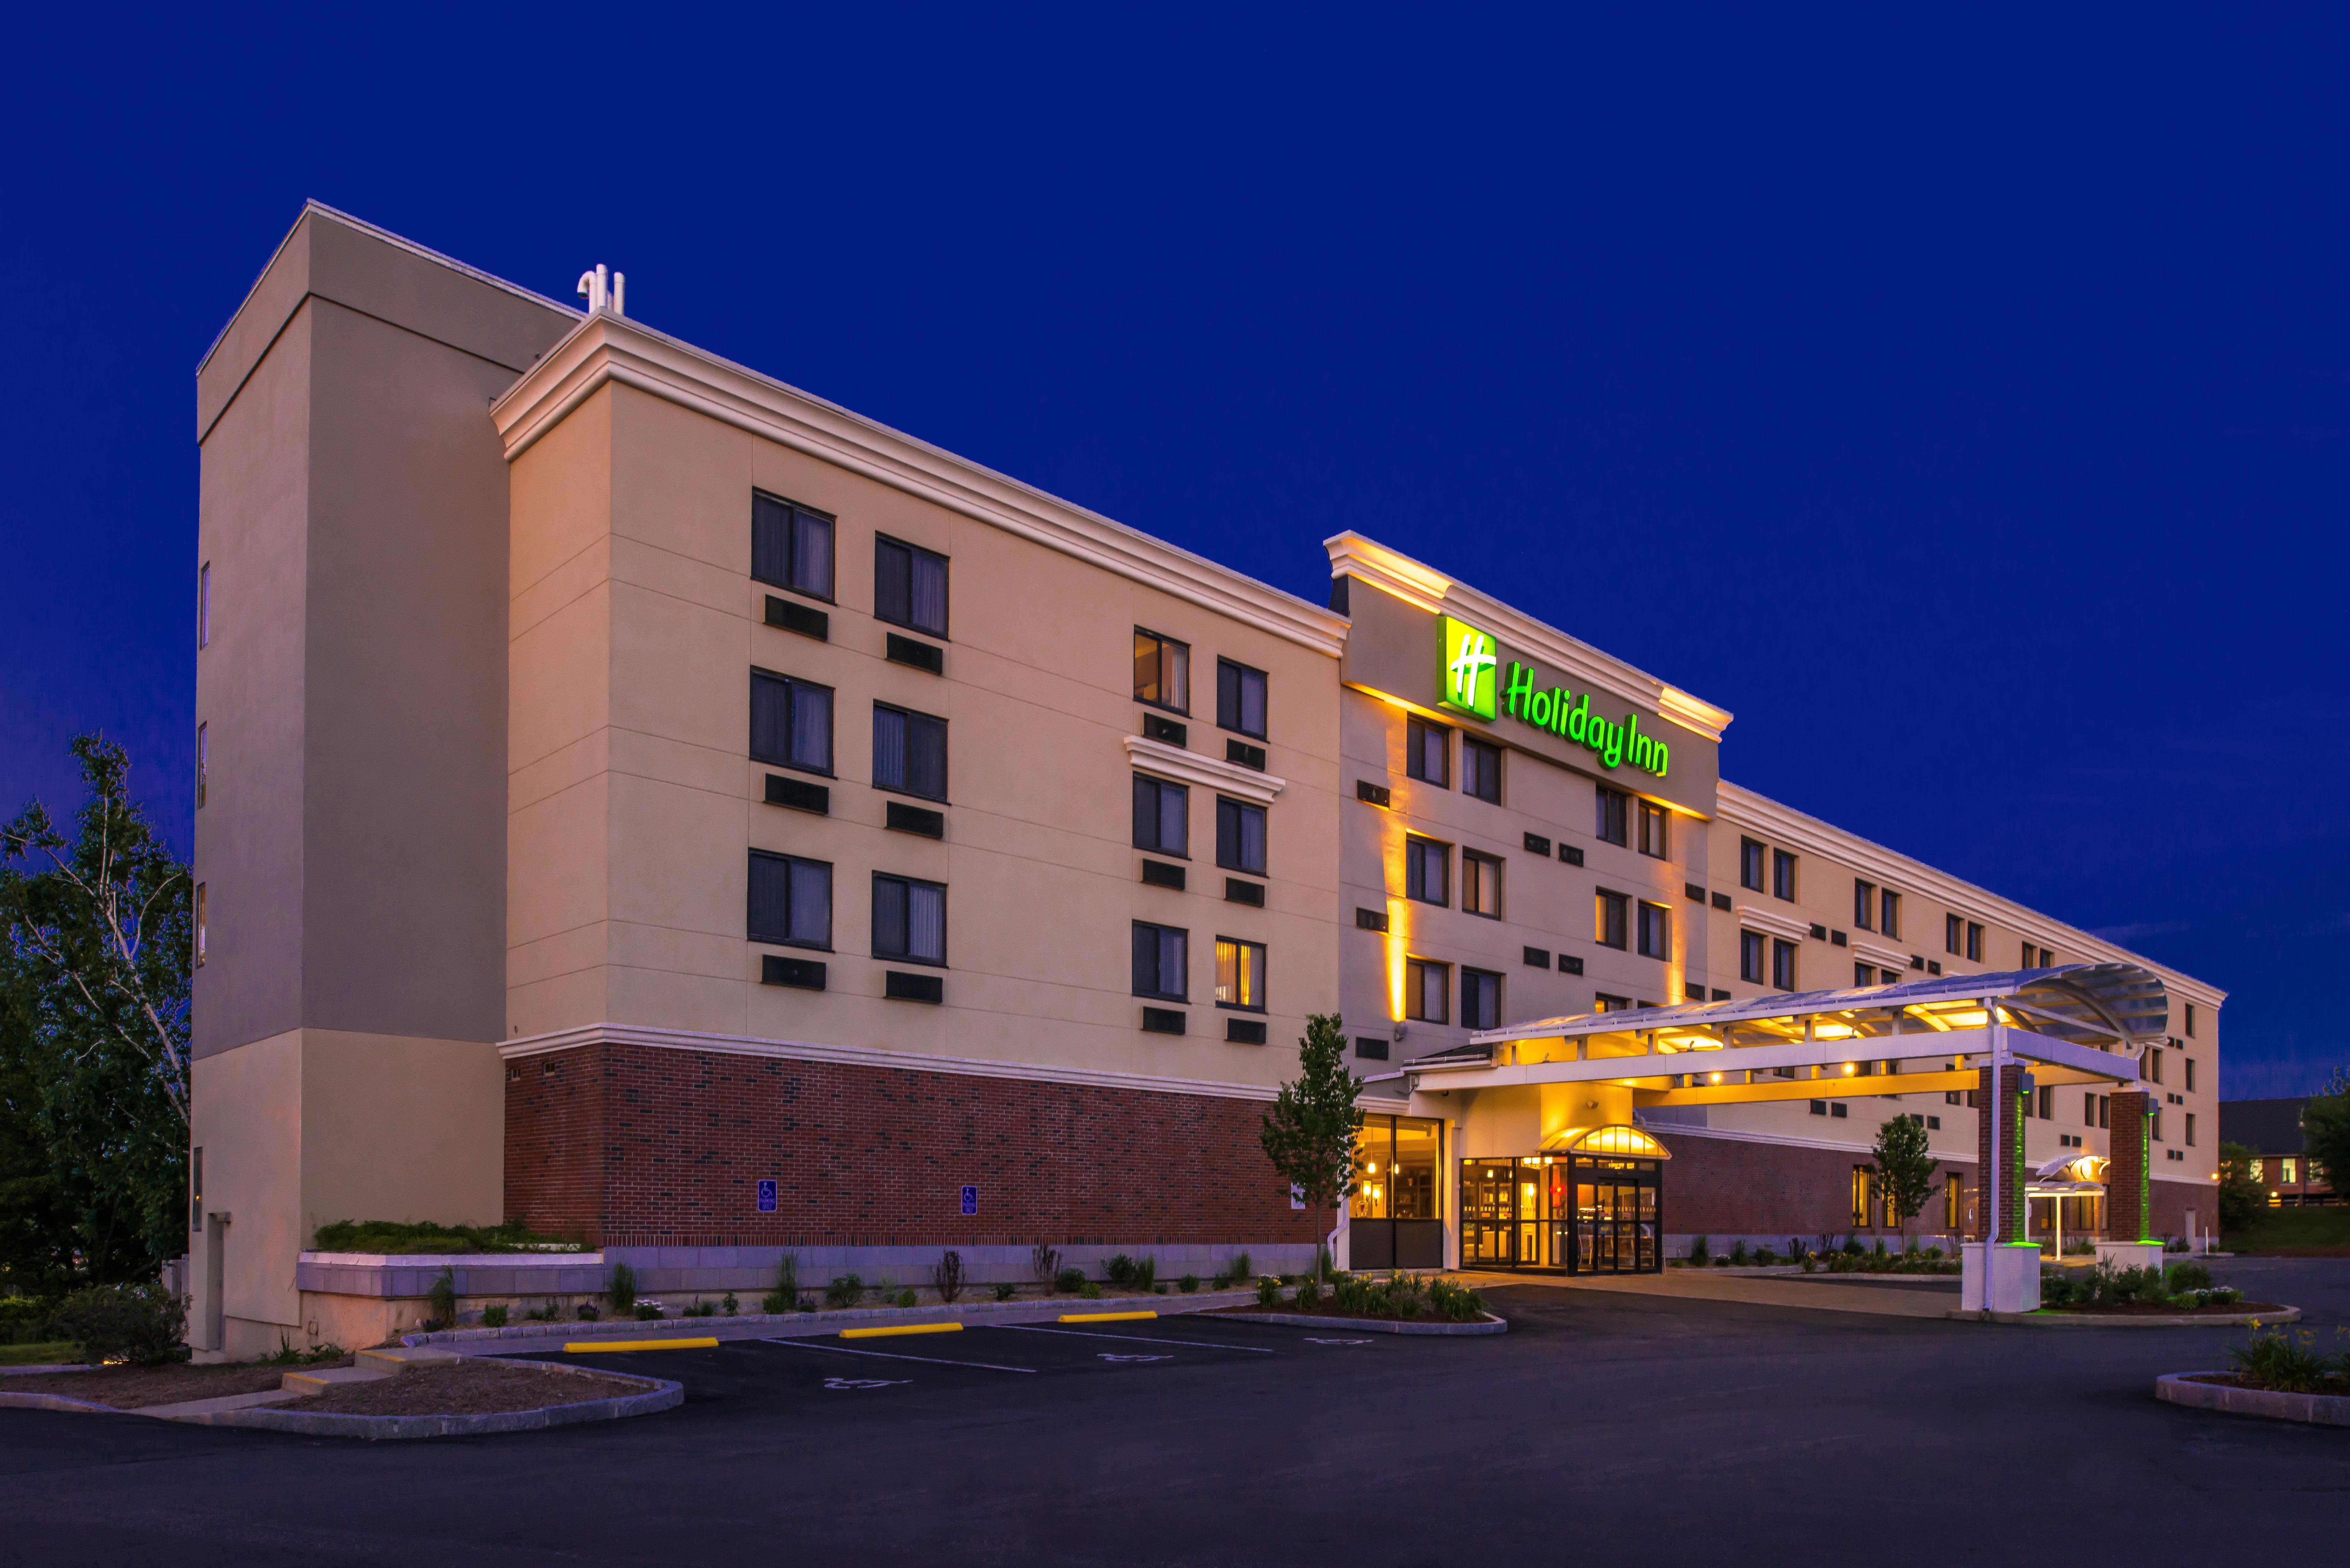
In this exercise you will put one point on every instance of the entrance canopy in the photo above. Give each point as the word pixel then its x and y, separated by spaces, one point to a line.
pixel 2072 1024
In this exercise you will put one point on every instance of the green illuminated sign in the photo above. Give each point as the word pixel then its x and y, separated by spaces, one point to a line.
pixel 1473 683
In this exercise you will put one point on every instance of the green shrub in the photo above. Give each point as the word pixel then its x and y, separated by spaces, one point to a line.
pixel 442 1298
pixel 622 1290
pixel 423 1236
pixel 700 1309
pixel 1738 1253
pixel 2287 1363
pixel 1188 1283
pixel 1146 1273
pixel 587 1312
pixel 1456 1302
pixel 1044 1263
pixel 2056 1291
pixel 1765 1258
pixel 1069 1280
pixel 494 1317
pixel 1268 1292
pixel 947 1276
pixel 1699 1256
pixel 1240 1269
pixel 286 1356
pixel 905 1298
pixel 1880 1246
pixel 1119 1270
pixel 142 1324
pixel 1851 1247
pixel 845 1291
pixel 2187 1277
pixel 648 1311
pixel 1004 1290
pixel 1092 1292
pixel 1309 1294
pixel 730 1303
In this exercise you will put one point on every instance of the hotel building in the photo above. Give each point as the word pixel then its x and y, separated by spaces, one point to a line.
pixel 645 800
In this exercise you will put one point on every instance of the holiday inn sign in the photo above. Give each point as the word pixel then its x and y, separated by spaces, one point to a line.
pixel 1475 682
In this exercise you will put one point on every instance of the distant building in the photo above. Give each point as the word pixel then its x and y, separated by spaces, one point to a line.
pixel 2270 1130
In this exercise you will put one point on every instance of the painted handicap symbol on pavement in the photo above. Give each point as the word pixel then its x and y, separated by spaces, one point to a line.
pixel 865 1382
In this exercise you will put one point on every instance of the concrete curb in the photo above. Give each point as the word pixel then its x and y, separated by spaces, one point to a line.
pixel 2051 1319
pixel 1489 1324
pixel 819 1322
pixel 2316 1409
pixel 57 1402
pixel 658 1394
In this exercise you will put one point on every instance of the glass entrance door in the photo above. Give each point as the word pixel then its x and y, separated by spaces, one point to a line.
pixel 1616 1218
pixel 1489 1228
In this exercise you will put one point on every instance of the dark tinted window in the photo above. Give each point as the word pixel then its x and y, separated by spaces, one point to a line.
pixel 791 546
pixel 791 723
pixel 910 586
pixel 1749 864
pixel 1160 812
pixel 1611 917
pixel 1427 868
pixel 1428 751
pixel 910 751
pixel 910 919
pixel 1481 770
pixel 1610 820
pixel 1240 698
pixel 1160 953
pixel 790 900
pixel 1239 835
pixel 1481 999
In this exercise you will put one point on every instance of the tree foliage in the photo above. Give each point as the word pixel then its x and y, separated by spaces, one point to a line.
pixel 2326 1131
pixel 1905 1169
pixel 1309 1134
pixel 96 933
pixel 2241 1200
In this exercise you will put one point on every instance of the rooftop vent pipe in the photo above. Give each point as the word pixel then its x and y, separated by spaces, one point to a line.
pixel 603 295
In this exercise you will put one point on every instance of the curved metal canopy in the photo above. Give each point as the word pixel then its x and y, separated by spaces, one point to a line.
pixel 1614 1138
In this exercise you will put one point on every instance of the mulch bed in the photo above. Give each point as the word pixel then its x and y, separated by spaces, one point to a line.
pixel 135 1388
pixel 1324 1309
pixel 2157 1309
pixel 460 1388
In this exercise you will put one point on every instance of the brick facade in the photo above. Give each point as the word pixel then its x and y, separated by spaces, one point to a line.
pixel 2128 1195
pixel 1728 1186
pixel 2013 1175
pixel 642 1146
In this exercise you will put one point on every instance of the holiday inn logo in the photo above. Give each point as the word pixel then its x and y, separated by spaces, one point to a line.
pixel 1470 658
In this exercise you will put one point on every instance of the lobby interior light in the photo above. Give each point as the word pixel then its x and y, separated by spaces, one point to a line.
pixel 1834 1031
pixel 1974 1020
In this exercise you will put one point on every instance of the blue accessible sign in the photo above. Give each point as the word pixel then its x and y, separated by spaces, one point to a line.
pixel 971 1200
pixel 767 1196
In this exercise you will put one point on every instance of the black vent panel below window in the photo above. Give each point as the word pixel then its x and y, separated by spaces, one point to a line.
pixel 1156 728
pixel 799 794
pixel 1237 891
pixel 917 654
pixel 805 620
pixel 806 974
pixel 1537 958
pixel 1569 965
pixel 1378 795
pixel 1370 920
pixel 1244 1031
pixel 1721 901
pixel 1570 854
pixel 1693 893
pixel 904 987
pixel 1537 844
pixel 1162 1021
pixel 1246 755
pixel 903 818
pixel 1160 874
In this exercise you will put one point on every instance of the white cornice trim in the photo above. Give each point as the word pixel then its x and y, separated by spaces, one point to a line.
pixel 1207 772
pixel 1884 958
pixel 1787 926
pixel 1765 818
pixel 605 348
pixel 864 1056
pixel 1417 583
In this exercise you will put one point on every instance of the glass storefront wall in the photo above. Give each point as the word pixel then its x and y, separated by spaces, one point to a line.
pixel 1393 1220
pixel 1579 1213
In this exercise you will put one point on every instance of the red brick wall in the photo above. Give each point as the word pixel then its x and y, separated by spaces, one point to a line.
pixel 640 1146
pixel 2013 1173
pixel 2128 1183
pixel 1724 1186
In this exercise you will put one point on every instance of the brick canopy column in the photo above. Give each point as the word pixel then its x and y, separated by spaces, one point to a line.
pixel 2004 1111
pixel 2129 1206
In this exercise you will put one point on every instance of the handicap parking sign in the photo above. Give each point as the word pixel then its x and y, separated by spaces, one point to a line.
pixel 767 1196
pixel 971 1200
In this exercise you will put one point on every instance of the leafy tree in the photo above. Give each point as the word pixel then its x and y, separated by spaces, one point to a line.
pixel 1905 1170
pixel 2325 1132
pixel 96 934
pixel 1309 1134
pixel 2241 1200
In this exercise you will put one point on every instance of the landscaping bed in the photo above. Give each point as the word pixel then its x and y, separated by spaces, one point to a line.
pixel 136 1388
pixel 465 1387
pixel 2227 1310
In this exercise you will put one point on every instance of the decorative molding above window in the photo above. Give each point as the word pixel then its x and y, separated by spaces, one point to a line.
pixel 1763 921
pixel 1207 773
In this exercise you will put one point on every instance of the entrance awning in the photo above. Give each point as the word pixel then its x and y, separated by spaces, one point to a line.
pixel 1615 1140
pixel 2074 1023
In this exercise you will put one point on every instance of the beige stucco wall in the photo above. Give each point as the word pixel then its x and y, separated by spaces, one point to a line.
pixel 636 626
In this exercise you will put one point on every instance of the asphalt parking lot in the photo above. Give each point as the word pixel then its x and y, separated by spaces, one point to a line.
pixel 1656 1431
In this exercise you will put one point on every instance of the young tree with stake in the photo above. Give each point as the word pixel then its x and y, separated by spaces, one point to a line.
pixel 1309 1134
pixel 1905 1170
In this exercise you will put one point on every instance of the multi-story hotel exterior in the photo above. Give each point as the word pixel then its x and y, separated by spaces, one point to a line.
pixel 642 800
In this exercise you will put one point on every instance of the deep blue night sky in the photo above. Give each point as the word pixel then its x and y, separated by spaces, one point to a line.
pixel 1965 405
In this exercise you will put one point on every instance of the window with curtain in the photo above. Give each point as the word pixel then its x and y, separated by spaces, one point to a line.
pixel 1480 884
pixel 1240 698
pixel 1655 831
pixel 791 546
pixel 1782 875
pixel 1481 999
pixel 1749 957
pixel 790 900
pixel 1427 870
pixel 1428 751
pixel 1427 990
pixel 1160 955
pixel 1239 835
pixel 1864 905
pixel 910 751
pixel 1656 931
pixel 909 586
pixel 1611 918
pixel 203 762
pixel 1889 913
pixel 791 723
pixel 1611 816
pixel 910 919
pixel 1481 770
pixel 1750 865
pixel 1162 671
pixel 1161 816
pixel 1240 974
pixel 1783 963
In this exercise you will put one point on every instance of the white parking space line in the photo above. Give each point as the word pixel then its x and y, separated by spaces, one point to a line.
pixel 1137 1338
pixel 885 1355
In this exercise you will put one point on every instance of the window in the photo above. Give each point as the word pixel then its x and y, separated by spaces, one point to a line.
pixel 1954 1196
pixel 1610 914
pixel 1480 885
pixel 790 900
pixel 2256 1170
pixel 1609 821
pixel 1782 875
pixel 2088 1110
pixel 1427 752
pixel 909 586
pixel 2190 1075
pixel 1783 963
pixel 1602 1002
pixel 1953 933
pixel 1860 1206
pixel 2154 1066
pixel 1427 987
pixel 200 925
pixel 1656 931
pixel 1749 864
pixel 2190 1021
pixel 1160 961
pixel 204 614
pixel 1481 770
pixel 2288 1170
pixel 791 723
pixel 1974 942
pixel 1889 912
pixel 2047 1105
pixel 910 751
pixel 2191 1131
pixel 1239 835
pixel 1240 974
pixel 1427 866
pixel 1481 999
pixel 1654 839
pixel 1864 974
pixel 1749 957
pixel 1240 698
pixel 1162 671
pixel 791 546
pixel 1863 906
pixel 1161 812
pixel 910 919
pixel 204 759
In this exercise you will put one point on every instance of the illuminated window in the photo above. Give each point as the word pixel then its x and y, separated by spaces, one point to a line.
pixel 1427 870
pixel 1782 875
pixel 1783 963
pixel 1480 884
pixel 1860 1196
pixel 1162 671
pixel 1749 957
pixel 1240 974
pixel 1427 990
pixel 1610 821
pixel 1481 770
pixel 909 586
pixel 2258 1174
pixel 2288 1172
pixel 1654 831
pixel 1749 864
pixel 1427 752
pixel 1481 999
pixel 1240 698
pixel 200 925
pixel 1954 1193
pixel 1889 913
pixel 1611 917
pixel 1656 931
pixel 1863 906
pixel 204 759
pixel 791 546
